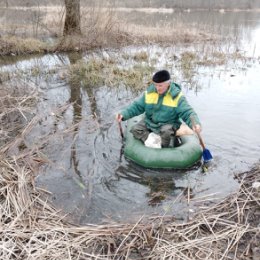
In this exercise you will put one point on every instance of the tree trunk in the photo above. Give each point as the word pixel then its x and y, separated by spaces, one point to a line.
pixel 72 18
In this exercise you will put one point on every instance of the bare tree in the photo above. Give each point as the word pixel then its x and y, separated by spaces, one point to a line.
pixel 4 3
pixel 72 18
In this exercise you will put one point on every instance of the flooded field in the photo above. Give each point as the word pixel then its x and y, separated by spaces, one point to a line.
pixel 85 170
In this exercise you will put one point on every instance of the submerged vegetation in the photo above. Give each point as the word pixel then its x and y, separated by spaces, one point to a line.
pixel 135 70
pixel 96 72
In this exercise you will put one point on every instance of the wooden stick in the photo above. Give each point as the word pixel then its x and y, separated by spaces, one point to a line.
pixel 201 141
pixel 198 134
pixel 121 130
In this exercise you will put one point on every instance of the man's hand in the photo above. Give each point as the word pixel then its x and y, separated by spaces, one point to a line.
pixel 119 117
pixel 197 128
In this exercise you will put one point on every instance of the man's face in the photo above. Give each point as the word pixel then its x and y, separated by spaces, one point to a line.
pixel 162 87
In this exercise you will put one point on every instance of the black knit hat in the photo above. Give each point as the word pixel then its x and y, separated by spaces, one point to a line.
pixel 161 76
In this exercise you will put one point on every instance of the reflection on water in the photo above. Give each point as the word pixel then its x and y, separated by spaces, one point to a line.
pixel 229 25
pixel 40 21
pixel 88 175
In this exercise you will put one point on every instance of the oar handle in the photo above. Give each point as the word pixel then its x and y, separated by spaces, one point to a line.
pixel 201 141
pixel 198 134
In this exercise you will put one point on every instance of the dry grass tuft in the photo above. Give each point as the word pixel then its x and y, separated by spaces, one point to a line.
pixel 18 46
pixel 141 56
pixel 229 230
pixel 171 34
pixel 15 106
pixel 106 72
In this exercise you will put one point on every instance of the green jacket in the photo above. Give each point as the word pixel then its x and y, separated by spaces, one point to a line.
pixel 169 108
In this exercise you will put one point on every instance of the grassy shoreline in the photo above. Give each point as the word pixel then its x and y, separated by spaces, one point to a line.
pixel 20 46
pixel 41 31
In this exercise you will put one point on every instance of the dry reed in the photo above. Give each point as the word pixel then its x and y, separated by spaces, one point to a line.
pixel 32 229
pixel 106 72
pixel 15 107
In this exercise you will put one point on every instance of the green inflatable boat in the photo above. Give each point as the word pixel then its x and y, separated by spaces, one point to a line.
pixel 181 157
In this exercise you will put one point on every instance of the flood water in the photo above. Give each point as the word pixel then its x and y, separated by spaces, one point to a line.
pixel 87 175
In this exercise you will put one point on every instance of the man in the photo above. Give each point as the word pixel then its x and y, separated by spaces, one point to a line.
pixel 165 109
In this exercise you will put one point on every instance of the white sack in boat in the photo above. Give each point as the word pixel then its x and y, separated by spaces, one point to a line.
pixel 153 141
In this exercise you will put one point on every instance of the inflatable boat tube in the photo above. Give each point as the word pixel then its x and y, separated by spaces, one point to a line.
pixel 181 157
